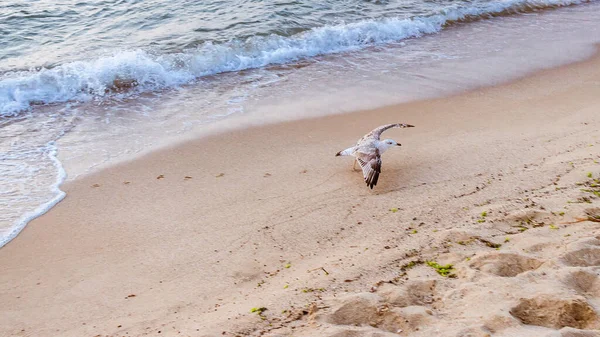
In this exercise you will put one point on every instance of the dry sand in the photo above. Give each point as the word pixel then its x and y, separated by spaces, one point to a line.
pixel 187 240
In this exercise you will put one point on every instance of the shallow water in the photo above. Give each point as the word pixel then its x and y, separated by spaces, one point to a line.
pixel 49 32
pixel 64 51
pixel 130 80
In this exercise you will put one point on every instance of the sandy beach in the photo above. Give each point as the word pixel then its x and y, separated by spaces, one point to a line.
pixel 263 231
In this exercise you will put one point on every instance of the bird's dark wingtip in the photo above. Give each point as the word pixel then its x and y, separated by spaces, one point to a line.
pixel 338 154
pixel 372 183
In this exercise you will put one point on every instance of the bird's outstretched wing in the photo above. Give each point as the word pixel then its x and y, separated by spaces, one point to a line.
pixel 376 133
pixel 371 166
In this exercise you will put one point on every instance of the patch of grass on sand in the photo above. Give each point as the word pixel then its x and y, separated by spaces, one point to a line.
pixel 259 311
pixel 594 183
pixel 482 217
pixel 594 192
pixel 445 271
pixel 593 186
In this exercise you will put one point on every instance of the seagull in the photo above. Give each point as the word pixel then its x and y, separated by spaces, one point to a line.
pixel 368 151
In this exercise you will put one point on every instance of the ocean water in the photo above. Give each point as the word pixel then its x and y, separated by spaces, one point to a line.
pixel 85 84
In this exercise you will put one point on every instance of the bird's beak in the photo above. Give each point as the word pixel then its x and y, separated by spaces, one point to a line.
pixel 399 144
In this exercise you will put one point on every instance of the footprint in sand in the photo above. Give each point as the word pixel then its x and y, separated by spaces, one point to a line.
pixel 505 264
pixel 585 283
pixel 585 257
pixel 555 313
pixel 370 309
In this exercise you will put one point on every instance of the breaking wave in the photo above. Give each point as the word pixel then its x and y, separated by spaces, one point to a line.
pixel 136 71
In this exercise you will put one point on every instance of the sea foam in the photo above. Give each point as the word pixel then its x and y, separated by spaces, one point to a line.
pixel 11 232
pixel 141 70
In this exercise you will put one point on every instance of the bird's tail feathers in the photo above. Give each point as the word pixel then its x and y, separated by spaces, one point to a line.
pixel 346 152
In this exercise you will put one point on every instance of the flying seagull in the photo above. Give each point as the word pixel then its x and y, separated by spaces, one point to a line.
pixel 368 151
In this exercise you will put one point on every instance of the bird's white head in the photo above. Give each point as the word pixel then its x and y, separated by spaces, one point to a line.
pixel 386 144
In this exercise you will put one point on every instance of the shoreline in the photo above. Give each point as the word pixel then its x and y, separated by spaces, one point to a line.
pixel 176 119
pixel 200 252
pixel 264 114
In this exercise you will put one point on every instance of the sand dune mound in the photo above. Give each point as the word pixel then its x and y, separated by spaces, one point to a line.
pixel 556 313
pixel 505 264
